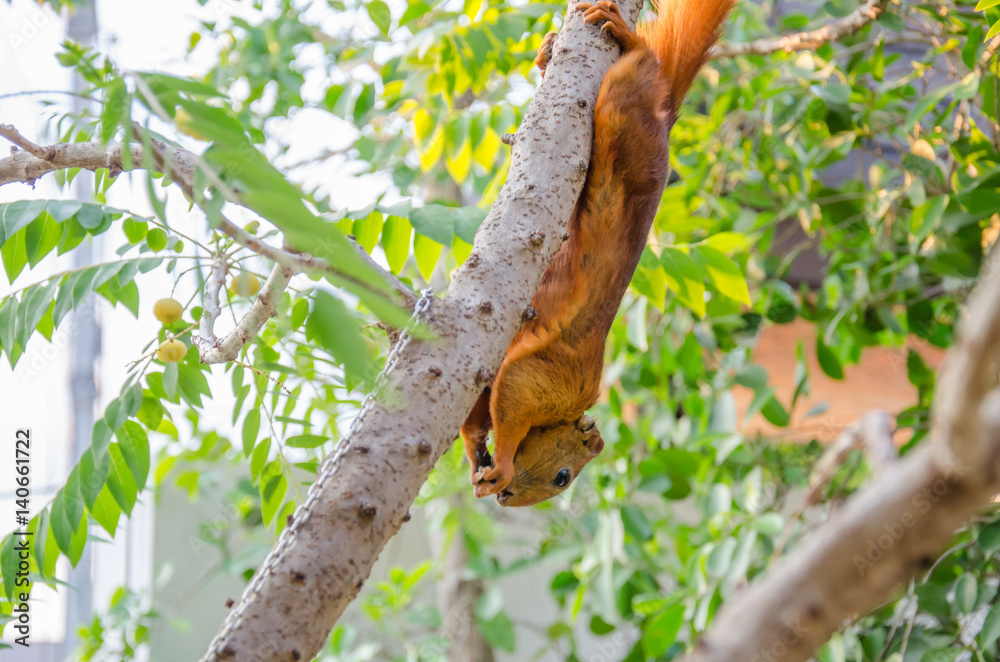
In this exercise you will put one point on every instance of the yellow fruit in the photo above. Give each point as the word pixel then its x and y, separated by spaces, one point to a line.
pixel 922 148
pixel 168 311
pixel 244 285
pixel 172 351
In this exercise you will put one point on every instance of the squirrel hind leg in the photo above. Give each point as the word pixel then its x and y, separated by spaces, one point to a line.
pixel 544 55
pixel 607 15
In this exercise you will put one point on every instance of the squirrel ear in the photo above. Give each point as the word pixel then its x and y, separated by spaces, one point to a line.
pixel 591 435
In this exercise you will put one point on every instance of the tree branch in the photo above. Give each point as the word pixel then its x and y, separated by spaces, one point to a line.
pixel 147 153
pixel 214 350
pixel 834 31
pixel 34 162
pixel 365 489
pixel 893 528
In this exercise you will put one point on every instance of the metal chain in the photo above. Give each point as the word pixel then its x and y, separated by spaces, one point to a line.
pixel 329 469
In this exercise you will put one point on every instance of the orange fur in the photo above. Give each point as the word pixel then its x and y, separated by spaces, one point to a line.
pixel 551 373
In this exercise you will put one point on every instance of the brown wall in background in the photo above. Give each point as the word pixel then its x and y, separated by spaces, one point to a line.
pixel 878 381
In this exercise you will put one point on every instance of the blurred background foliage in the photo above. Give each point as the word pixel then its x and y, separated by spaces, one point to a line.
pixel 877 154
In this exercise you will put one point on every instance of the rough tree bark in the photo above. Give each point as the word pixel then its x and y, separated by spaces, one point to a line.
pixel 365 489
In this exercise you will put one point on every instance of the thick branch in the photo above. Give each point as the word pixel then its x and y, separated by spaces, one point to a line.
pixel 365 489
pixel 894 527
pixel 834 31
pixel 26 166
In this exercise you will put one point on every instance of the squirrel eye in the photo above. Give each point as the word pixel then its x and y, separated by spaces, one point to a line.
pixel 562 478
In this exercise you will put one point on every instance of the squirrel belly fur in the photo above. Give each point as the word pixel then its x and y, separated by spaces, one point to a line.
pixel 551 373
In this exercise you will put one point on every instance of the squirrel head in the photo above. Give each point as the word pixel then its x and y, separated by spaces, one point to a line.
pixel 549 459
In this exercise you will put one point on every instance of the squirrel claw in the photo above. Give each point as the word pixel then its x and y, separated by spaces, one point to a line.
pixel 606 14
pixel 492 480
pixel 483 462
pixel 545 52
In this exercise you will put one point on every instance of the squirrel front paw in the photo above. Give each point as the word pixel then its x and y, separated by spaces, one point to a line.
pixel 605 13
pixel 481 460
pixel 545 52
pixel 492 480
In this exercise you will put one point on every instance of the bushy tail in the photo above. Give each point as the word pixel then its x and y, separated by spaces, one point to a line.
pixel 681 34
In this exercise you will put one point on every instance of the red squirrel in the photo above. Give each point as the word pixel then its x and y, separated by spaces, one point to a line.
pixel 551 373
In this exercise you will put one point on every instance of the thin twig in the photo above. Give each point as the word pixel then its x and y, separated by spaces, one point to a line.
pixel 216 350
pixel 216 281
pixel 12 134
pixel 834 31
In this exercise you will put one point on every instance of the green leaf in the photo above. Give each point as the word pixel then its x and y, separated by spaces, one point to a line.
pixel 770 524
pixel 15 256
pixel 114 110
pixel 272 493
pixel 259 458
pixel 989 537
pixel 366 230
pixel 719 560
pixel 106 511
pixel 156 239
pixel 40 237
pixel 91 217
pixel 8 564
pixel 966 592
pixel 72 497
pixel 17 215
pixel 994 31
pixel 305 441
pixel 775 413
pixel 337 332
pixel 121 484
pixel 498 632
pixel 170 373
pixel 396 235
pixel 436 222
pixel 684 279
pixel 35 302
pixel 134 447
pixel 427 252
pixel 659 632
pixel 93 471
pixel 949 654
pixel 414 11
pixel 471 8
pixel 651 283
pixel 379 12
pixel 150 412
pixel 724 274
pixel 635 523
pixel 135 229
pixel 43 547
pixel 251 426
pixel 927 217
pixel 991 627
pixel 828 360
